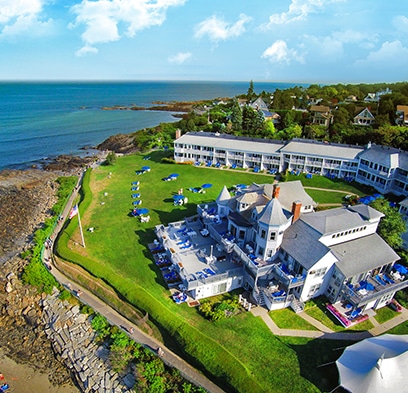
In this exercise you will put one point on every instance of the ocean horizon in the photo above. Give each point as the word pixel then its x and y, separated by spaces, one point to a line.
pixel 42 120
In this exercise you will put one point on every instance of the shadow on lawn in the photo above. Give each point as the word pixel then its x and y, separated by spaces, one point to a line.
pixel 317 362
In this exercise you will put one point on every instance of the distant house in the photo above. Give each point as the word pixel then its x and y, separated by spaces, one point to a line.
pixel 364 118
pixel 402 115
pixel 375 97
pixel 260 105
pixel 351 98
pixel 321 115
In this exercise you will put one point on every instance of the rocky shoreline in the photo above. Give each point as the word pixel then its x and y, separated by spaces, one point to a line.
pixel 26 198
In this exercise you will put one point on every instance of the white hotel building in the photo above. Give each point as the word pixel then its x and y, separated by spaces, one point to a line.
pixel 384 168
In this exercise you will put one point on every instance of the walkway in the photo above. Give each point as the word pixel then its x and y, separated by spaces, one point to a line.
pixel 326 333
pixel 114 318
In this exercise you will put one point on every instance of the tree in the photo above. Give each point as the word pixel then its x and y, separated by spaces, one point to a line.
pixel 392 225
pixel 236 116
pixel 110 158
pixel 252 122
pixel 251 95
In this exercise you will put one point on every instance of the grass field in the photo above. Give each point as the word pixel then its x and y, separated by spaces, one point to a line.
pixel 239 353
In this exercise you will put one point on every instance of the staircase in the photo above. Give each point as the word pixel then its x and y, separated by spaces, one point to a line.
pixel 297 305
pixel 260 299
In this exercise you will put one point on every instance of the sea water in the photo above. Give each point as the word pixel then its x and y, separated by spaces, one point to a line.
pixel 44 120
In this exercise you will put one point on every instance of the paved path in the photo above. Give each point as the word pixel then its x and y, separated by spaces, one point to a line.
pixel 324 332
pixel 114 318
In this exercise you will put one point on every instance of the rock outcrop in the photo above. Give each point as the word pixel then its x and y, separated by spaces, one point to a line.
pixel 74 341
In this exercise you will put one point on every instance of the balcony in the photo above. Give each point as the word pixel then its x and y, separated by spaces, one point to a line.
pixel 373 288
pixel 288 279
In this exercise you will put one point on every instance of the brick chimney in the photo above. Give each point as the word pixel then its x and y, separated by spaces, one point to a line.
pixel 296 206
pixel 276 190
pixel 178 133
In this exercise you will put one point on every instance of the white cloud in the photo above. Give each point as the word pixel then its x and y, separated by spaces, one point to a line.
pixel 20 16
pixel 299 10
pixel 390 53
pixel 401 23
pixel 180 58
pixel 279 52
pixel 219 30
pixel 103 18
pixel 86 50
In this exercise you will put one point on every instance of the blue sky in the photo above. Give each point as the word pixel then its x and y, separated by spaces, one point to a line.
pixel 300 41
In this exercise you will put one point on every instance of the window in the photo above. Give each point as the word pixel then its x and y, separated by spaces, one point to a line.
pixel 272 236
pixel 260 251
pixel 241 234
pixel 219 288
pixel 263 234
pixel 314 289
pixel 320 272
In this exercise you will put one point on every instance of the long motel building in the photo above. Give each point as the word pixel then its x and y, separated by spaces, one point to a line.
pixel 382 167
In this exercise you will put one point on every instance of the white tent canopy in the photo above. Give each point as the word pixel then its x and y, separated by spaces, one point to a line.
pixel 375 365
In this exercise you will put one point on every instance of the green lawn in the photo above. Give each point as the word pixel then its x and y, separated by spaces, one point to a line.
pixel 385 314
pixel 288 319
pixel 240 353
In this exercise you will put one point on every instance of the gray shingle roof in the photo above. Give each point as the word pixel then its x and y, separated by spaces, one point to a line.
pixel 302 242
pixel 224 196
pixel 363 254
pixel 389 157
pixel 321 149
pixel 366 211
pixel 231 142
pixel 333 220
pixel 273 214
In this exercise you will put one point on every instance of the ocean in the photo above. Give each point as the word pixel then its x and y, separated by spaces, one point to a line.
pixel 40 120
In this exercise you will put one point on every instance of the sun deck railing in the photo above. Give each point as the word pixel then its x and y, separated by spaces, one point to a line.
pixel 358 298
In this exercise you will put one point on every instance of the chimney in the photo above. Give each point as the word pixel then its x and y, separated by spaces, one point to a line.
pixel 178 133
pixel 276 190
pixel 296 206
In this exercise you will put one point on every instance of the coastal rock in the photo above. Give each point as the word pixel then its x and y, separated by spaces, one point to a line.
pixel 120 143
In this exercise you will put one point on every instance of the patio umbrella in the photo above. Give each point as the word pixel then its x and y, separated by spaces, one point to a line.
pixel 178 197
pixel 142 211
pixel 174 175
pixel 145 168
pixel 400 268
pixel 241 186
pixel 375 365
pixel 206 185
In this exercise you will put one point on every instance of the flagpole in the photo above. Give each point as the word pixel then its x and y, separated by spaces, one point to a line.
pixel 80 229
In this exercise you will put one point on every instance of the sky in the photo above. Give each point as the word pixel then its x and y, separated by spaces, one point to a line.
pixel 297 41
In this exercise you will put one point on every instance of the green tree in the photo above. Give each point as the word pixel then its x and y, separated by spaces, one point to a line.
pixel 110 158
pixel 252 121
pixel 236 116
pixel 251 95
pixel 392 225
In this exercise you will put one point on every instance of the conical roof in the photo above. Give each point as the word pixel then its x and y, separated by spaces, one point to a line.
pixel 273 213
pixel 224 196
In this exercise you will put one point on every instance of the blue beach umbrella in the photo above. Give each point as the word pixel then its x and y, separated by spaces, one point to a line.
pixel 178 197
pixel 174 175
pixel 241 186
pixel 142 211
pixel 145 168
pixel 206 185
pixel 400 268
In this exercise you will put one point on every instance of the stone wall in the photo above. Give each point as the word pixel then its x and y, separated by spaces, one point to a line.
pixel 73 340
